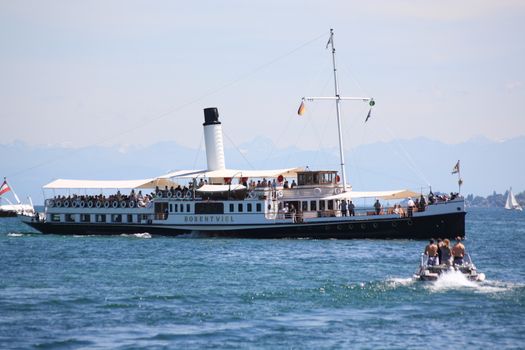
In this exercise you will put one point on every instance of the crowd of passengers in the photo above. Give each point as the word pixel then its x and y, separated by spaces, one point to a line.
pixel 137 198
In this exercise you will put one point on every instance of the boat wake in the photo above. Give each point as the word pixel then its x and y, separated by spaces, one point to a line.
pixel 145 235
pixel 15 234
pixel 454 280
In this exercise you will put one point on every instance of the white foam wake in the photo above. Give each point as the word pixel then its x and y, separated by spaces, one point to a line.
pixel 137 235
pixel 14 234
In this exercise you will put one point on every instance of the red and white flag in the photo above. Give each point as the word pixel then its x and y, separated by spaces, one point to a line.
pixel 4 188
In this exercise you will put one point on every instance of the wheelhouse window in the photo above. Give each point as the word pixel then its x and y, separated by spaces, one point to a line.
pixel 313 205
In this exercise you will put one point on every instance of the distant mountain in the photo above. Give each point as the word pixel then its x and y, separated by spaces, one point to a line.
pixel 486 166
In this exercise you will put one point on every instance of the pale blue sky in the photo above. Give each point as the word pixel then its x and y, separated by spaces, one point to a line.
pixel 139 72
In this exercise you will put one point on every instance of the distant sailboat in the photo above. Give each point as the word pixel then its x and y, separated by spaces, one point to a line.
pixel 512 203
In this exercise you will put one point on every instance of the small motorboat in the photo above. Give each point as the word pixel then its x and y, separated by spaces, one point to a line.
pixel 432 273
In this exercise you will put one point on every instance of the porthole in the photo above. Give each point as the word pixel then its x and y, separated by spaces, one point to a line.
pixel 350 226
pixel 363 226
pixel 394 224
pixel 409 222
pixel 375 225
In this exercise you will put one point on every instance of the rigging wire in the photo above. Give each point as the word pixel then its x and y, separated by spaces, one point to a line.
pixel 198 152
pixel 238 150
pixel 211 92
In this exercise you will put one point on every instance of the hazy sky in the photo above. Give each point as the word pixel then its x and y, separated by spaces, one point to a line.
pixel 139 72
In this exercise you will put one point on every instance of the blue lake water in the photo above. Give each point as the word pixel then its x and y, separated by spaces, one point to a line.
pixel 132 292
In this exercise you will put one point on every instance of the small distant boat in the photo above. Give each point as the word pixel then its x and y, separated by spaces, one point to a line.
pixel 432 273
pixel 13 209
pixel 512 203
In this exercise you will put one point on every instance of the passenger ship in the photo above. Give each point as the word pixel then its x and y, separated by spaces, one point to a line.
pixel 225 202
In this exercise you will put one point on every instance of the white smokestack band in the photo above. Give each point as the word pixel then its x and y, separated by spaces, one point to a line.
pixel 213 140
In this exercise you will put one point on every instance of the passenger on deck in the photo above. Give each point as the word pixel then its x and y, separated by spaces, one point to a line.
pixel 446 252
pixel 431 250
pixel 377 207
pixel 293 184
pixel 351 209
pixel 286 184
pixel 431 198
pixel 201 182
pixel 410 206
pixel 293 213
pixel 344 208
pixel 458 252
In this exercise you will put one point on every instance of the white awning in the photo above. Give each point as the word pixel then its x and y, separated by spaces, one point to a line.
pixel 386 195
pixel 220 188
pixel 113 184
pixel 234 173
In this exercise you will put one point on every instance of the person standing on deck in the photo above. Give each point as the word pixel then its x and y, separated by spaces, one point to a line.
pixel 351 208
pixel 344 208
pixel 377 206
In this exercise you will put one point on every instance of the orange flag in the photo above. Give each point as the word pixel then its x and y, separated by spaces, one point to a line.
pixel 301 109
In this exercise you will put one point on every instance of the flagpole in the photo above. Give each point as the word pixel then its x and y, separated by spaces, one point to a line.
pixel 338 111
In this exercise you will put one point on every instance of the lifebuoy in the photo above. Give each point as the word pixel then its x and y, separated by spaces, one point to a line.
pixel 280 194
pixel 123 204
pixel 59 204
pixel 280 178
pixel 159 194
pixel 106 204
pixel 99 204
pixel 132 204
pixel 66 204
pixel 337 178
pixel 82 204
pixel 74 204
pixel 317 190
pixel 251 194
pixel 178 194
pixel 115 204
pixel 169 194
pixel 50 203
pixel 188 195
pixel 90 204
pixel 337 190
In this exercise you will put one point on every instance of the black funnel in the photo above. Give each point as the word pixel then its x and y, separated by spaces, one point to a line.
pixel 211 116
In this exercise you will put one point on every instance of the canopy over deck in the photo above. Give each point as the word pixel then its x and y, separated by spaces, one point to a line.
pixel 385 195
pixel 220 188
pixel 113 184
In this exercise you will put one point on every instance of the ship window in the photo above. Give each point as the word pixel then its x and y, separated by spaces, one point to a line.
pixel 322 205
pixel 187 208
pixel 171 208
pixel 258 207
pixel 240 207
pixel 85 217
pixel 70 218
pixel 130 218
pixel 55 217
pixel 249 207
pixel 182 208
pixel 331 205
pixel 304 206
pixel 100 218
pixel 232 208
pixel 313 205
pixel 315 178
pixel 176 207
pixel 116 218
pixel 209 208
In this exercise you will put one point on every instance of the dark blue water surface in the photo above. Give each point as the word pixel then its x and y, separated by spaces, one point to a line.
pixel 131 292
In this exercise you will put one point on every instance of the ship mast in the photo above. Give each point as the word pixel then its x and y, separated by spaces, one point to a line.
pixel 338 99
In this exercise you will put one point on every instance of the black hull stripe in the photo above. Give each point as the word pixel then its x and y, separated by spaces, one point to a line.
pixel 424 227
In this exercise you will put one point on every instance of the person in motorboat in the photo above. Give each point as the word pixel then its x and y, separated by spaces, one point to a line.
pixel 458 252
pixel 410 206
pixel 377 207
pixel 446 252
pixel 439 244
pixel 431 250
